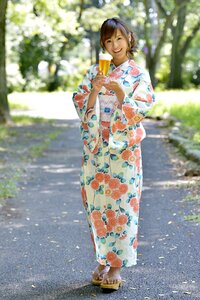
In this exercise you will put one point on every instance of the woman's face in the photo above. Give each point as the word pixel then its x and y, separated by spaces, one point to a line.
pixel 117 47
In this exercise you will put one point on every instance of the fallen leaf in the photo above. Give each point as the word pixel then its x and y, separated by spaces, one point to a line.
pixel 93 295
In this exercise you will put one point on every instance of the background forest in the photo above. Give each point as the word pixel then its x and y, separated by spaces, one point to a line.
pixel 48 45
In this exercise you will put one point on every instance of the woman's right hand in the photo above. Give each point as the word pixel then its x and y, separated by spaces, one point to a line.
pixel 98 82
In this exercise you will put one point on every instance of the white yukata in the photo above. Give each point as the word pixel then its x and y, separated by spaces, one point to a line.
pixel 111 173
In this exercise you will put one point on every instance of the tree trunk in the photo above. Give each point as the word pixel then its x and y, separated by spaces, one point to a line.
pixel 175 77
pixel 4 107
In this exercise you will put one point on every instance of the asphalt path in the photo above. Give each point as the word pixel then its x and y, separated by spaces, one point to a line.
pixel 45 248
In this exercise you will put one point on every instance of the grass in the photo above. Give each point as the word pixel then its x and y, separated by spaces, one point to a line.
pixel 183 105
pixel 18 106
pixel 34 143
pixel 194 217
pixel 27 120
pixel 8 186
pixel 37 150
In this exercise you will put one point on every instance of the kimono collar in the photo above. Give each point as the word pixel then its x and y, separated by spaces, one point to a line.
pixel 123 67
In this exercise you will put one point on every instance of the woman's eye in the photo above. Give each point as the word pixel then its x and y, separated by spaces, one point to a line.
pixel 108 41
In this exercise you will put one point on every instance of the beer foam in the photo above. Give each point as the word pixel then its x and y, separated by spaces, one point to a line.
pixel 105 56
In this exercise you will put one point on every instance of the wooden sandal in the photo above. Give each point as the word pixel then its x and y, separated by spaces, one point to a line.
pixel 100 275
pixel 111 286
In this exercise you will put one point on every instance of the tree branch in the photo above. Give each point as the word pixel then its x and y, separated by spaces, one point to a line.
pixel 81 10
pixel 190 38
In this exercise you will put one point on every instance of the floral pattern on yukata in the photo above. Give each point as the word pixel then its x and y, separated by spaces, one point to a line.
pixel 111 173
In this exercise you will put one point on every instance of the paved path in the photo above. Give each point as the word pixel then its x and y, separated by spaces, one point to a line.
pixel 45 249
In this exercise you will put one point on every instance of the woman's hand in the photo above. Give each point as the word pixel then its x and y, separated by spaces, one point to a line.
pixel 116 87
pixel 98 82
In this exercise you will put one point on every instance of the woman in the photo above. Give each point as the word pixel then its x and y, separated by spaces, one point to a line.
pixel 111 110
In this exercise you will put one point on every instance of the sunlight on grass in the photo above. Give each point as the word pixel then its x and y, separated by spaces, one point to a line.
pixel 27 120
pixel 183 105
pixel 18 106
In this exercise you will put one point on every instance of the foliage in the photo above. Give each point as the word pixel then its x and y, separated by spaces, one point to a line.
pixel 62 31
pixel 185 106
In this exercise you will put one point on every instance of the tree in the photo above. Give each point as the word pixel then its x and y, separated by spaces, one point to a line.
pixel 156 26
pixel 181 43
pixel 4 107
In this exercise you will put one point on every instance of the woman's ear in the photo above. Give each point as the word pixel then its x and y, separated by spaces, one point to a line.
pixel 129 37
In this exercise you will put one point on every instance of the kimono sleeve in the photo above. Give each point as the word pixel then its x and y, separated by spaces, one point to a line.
pixel 80 98
pixel 137 104
pixel 89 120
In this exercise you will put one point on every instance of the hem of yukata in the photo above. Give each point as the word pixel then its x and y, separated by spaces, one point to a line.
pixel 106 263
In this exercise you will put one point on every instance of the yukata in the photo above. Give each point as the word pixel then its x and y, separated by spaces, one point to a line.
pixel 111 172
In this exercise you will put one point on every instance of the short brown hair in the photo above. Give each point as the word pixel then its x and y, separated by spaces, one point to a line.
pixel 108 28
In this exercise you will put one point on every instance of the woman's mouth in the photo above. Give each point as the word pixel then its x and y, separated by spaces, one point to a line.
pixel 117 51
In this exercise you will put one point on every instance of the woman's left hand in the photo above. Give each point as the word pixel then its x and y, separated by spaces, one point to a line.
pixel 112 85
pixel 115 86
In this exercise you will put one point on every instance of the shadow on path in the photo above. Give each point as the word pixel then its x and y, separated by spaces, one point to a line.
pixel 45 248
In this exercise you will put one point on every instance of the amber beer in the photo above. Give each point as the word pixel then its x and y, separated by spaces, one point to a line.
pixel 104 63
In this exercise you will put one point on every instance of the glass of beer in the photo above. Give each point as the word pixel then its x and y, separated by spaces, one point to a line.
pixel 104 63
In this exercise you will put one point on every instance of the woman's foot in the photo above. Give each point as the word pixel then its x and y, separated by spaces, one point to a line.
pixel 99 272
pixel 112 279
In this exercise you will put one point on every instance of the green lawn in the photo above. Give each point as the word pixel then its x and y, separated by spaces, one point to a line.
pixel 183 105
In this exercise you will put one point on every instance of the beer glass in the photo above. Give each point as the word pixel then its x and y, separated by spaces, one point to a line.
pixel 104 62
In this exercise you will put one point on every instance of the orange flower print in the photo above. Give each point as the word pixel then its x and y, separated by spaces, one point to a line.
pixel 116 194
pixel 131 159
pixel 149 98
pixel 128 111
pixel 122 219
pixel 136 208
pixel 119 125
pixel 117 263
pixel 105 134
pixel 99 177
pixel 94 184
pixel 135 244
pixel 137 163
pixel 84 125
pixel 139 135
pixel 114 128
pixel 108 192
pixel 84 196
pixel 111 256
pixel 133 201
pixel 98 224
pixel 109 228
pixel 119 228
pixel 79 99
pixel 114 183
pixel 131 142
pixel 112 222
pixel 135 86
pixel 110 213
pixel 105 124
pixel 86 88
pixel 101 232
pixel 126 154
pixel 107 178
pixel 96 214
pixel 123 188
pixel 134 72
pixel 137 152
pixel 131 134
pixel 123 237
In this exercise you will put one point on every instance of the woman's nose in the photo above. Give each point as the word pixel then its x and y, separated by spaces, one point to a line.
pixel 115 45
